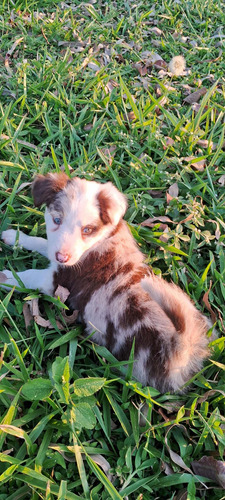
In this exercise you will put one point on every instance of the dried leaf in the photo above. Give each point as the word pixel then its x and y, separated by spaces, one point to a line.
pixel 168 198
pixel 27 315
pixel 207 394
pixel 156 31
pixel 207 304
pixel 221 180
pixel 166 468
pixel 189 217
pixel 87 127
pixel 14 45
pixel 150 57
pixel 162 218
pixel 160 64
pixel 169 141
pixel 204 143
pixel 62 292
pixel 103 463
pixel 175 457
pixel 110 86
pixel 94 66
pixel 182 495
pixel 42 322
pixel 142 69
pixel 197 165
pixel 35 313
pixel 155 193
pixel 23 185
pixel 210 468
pixel 70 319
pixel 109 153
pixel 131 116
pixel 173 190
pixel 196 107
pixel 34 307
pixel 195 96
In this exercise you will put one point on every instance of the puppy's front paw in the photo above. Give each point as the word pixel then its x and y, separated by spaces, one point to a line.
pixel 9 236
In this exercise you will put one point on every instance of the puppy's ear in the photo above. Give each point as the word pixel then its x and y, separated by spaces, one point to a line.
pixel 112 204
pixel 45 187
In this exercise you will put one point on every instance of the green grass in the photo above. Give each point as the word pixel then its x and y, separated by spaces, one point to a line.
pixel 72 97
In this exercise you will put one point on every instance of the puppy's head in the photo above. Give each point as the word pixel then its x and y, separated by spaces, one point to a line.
pixel 80 214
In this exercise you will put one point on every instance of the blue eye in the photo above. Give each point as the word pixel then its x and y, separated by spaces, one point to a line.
pixel 57 221
pixel 87 230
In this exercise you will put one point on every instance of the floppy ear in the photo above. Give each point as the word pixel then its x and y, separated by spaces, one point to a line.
pixel 45 187
pixel 112 204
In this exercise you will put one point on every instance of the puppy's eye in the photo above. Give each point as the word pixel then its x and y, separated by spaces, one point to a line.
pixel 57 221
pixel 87 230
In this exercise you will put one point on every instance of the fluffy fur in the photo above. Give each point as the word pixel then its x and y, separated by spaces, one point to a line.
pixel 93 254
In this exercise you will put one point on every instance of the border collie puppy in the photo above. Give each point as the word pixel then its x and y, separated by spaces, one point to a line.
pixel 93 255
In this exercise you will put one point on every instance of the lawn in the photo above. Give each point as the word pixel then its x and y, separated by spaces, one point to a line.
pixel 88 88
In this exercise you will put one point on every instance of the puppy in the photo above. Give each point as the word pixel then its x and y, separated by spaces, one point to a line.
pixel 93 254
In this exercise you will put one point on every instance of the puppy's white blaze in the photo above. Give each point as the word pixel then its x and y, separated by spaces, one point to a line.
pixel 79 208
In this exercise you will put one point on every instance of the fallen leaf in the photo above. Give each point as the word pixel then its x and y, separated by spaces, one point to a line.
pixel 155 193
pixel 142 69
pixel 189 217
pixel 174 456
pixel 103 463
pixel 70 318
pixel 209 393
pixel 110 86
pixel 62 292
pixel 166 468
pixel 163 218
pixel 197 165
pixel 39 320
pixel 130 116
pixel 150 57
pixel 168 198
pixel 204 143
pixel 207 304
pixel 195 96
pixel 89 126
pixel 109 153
pixel 28 318
pixel 94 66
pixel 156 43
pixel 210 468
pixel 169 142
pixel 156 31
pixel 173 190
pixel 14 45
pixel 221 180
pixel 160 64
pixel 23 185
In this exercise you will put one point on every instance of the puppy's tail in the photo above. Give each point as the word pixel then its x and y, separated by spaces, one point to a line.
pixel 191 343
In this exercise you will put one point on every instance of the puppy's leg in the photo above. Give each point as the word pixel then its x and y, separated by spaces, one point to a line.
pixel 34 243
pixel 41 279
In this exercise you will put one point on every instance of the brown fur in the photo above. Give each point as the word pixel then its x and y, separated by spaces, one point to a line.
pixel 104 206
pixel 45 187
